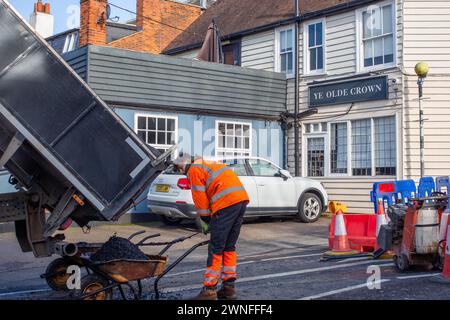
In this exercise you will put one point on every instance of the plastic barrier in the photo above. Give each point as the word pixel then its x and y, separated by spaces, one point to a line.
pixel 426 187
pixel 407 190
pixel 385 191
pixel 443 185
pixel 391 192
pixel 361 231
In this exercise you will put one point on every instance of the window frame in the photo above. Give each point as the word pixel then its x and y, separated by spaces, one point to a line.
pixel 278 53
pixel 70 42
pixel 323 135
pixel 327 158
pixel 360 42
pixel 306 55
pixel 349 149
pixel 157 116
pixel 216 137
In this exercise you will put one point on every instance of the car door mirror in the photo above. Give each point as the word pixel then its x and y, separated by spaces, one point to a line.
pixel 285 174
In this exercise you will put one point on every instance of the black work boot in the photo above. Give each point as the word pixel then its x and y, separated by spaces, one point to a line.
pixel 207 293
pixel 227 292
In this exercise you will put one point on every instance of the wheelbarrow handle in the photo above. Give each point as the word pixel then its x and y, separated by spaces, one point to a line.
pixel 135 234
pixel 178 240
pixel 142 242
pixel 174 264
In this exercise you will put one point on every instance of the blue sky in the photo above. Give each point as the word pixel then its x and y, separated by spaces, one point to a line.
pixel 66 12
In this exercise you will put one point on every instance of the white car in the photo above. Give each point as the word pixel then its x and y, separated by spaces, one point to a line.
pixel 272 191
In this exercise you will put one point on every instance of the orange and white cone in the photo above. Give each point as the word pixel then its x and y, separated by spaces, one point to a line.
pixel 381 221
pixel 443 226
pixel 444 277
pixel 341 246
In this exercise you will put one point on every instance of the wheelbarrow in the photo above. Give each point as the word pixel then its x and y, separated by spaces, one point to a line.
pixel 102 278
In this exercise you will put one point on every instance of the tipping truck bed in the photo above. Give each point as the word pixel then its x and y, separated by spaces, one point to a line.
pixel 69 154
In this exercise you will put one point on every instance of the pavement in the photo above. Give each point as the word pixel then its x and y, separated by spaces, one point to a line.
pixel 278 259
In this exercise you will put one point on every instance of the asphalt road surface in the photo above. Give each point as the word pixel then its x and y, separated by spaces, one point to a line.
pixel 278 259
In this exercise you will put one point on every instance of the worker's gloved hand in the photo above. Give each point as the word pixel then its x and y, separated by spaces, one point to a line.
pixel 204 222
pixel 205 227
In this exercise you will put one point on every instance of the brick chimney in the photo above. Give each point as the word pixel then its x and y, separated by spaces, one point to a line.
pixel 42 20
pixel 147 8
pixel 153 17
pixel 92 22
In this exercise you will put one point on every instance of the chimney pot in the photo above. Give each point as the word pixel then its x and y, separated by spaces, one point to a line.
pixel 47 8
pixel 40 6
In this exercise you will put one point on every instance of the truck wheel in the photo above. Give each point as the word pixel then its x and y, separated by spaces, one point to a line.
pixel 401 262
pixel 310 208
pixel 57 274
pixel 92 283
pixel 171 221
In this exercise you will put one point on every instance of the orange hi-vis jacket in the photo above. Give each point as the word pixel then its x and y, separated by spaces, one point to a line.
pixel 214 187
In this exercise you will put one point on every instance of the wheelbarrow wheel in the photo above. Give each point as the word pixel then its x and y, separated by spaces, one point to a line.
pixel 57 275
pixel 91 283
pixel 401 262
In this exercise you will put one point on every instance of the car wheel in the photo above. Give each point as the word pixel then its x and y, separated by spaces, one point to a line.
pixel 310 208
pixel 170 221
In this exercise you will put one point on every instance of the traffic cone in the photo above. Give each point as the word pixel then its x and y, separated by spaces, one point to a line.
pixel 442 228
pixel 380 253
pixel 444 277
pixel 341 246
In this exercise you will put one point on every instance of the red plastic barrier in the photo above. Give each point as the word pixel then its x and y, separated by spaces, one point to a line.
pixel 361 229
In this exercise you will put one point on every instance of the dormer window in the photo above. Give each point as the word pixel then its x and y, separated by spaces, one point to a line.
pixel 71 42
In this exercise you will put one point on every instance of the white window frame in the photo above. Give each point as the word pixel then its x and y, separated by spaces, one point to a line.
pixel 157 116
pixel 306 60
pixel 216 135
pixel 359 39
pixel 327 158
pixel 277 50
pixel 349 150
pixel 69 43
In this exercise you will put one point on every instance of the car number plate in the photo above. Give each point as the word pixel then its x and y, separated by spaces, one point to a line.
pixel 162 188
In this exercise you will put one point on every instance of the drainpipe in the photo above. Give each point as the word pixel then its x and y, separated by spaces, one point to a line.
pixel 296 93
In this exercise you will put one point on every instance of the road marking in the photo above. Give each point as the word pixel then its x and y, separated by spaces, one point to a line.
pixel 5 294
pixel 355 259
pixel 248 262
pixel 418 276
pixel 333 292
pixel 293 257
pixel 276 275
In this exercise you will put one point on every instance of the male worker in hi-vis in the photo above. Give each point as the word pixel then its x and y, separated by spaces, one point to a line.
pixel 221 200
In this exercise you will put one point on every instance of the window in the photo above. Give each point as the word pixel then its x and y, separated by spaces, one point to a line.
pixel 158 131
pixel 361 148
pixel 385 149
pixel 264 168
pixel 286 51
pixel 316 156
pixel 365 147
pixel 233 139
pixel 71 42
pixel 237 165
pixel 378 39
pixel 232 53
pixel 315 56
pixel 338 148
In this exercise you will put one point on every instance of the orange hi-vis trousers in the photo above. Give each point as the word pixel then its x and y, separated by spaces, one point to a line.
pixel 225 228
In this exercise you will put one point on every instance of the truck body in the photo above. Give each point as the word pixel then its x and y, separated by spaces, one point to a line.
pixel 71 158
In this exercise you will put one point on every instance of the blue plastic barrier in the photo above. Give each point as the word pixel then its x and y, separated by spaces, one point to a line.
pixel 385 191
pixel 441 183
pixel 390 192
pixel 407 190
pixel 426 187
